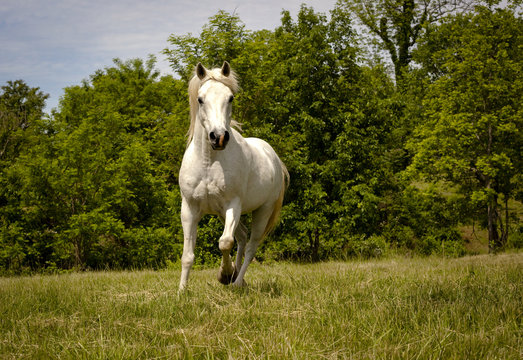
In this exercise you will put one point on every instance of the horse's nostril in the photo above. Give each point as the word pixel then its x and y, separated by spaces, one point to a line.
pixel 219 140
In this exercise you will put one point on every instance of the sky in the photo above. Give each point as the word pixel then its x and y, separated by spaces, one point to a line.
pixel 52 44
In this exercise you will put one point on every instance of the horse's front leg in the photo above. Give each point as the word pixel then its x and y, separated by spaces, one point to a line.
pixel 227 272
pixel 190 216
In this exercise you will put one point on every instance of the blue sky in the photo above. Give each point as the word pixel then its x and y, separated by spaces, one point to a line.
pixel 53 44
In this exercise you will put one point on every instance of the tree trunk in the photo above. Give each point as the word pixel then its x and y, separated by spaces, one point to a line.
pixel 504 227
pixel 77 256
pixel 493 236
pixel 492 213
pixel 314 238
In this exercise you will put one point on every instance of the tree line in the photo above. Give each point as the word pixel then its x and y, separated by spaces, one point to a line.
pixel 395 141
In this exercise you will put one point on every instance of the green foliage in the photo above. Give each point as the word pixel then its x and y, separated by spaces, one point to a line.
pixel 222 39
pixel 397 25
pixel 21 111
pixel 473 109
pixel 516 240
pixel 91 192
pixel 94 184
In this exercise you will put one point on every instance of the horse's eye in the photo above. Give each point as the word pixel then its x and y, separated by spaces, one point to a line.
pixel 200 101
pixel 231 99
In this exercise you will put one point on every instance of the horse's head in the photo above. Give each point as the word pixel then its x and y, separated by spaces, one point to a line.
pixel 215 104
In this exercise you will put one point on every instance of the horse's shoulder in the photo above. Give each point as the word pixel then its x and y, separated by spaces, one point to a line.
pixel 261 146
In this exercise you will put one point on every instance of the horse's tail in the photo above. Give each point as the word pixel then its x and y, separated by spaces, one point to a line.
pixel 273 220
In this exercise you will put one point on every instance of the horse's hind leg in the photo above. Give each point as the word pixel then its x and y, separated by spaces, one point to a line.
pixel 241 238
pixel 232 219
pixel 260 218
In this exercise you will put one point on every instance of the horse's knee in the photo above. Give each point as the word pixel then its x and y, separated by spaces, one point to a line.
pixel 187 260
pixel 226 243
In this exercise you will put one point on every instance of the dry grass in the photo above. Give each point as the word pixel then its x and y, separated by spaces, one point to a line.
pixel 387 309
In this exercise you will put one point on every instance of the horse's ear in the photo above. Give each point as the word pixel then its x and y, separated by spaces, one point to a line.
pixel 200 71
pixel 226 69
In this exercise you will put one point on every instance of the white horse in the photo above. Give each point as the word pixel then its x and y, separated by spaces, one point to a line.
pixel 225 174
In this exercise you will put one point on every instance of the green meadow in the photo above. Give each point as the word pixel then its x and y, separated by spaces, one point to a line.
pixel 394 308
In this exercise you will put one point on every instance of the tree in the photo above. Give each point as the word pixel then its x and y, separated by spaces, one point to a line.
pixel 21 107
pixel 222 39
pixel 472 136
pixel 21 126
pixel 399 23
pixel 308 73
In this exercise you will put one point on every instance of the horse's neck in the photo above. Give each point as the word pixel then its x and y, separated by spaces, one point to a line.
pixel 201 142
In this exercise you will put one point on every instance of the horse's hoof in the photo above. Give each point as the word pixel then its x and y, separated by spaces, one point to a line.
pixel 227 279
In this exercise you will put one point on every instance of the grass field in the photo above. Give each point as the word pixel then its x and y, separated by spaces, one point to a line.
pixel 399 308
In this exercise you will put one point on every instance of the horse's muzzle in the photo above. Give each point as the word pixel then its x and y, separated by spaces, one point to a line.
pixel 219 141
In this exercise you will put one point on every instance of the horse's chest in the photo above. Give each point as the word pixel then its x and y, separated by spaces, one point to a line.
pixel 210 187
